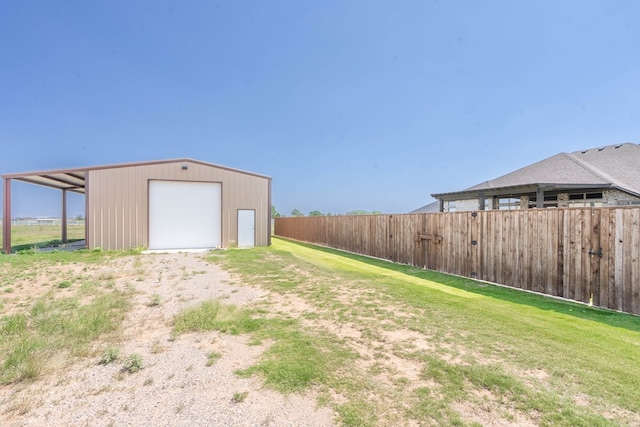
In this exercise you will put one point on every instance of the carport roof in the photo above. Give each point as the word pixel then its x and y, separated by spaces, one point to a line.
pixel 74 179
pixel 63 179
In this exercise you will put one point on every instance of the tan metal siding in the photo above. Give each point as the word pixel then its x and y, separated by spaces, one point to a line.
pixel 118 201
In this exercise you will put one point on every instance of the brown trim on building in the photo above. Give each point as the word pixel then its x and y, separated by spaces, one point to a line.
pixel 86 211
pixel 63 218
pixel 269 215
pixel 6 216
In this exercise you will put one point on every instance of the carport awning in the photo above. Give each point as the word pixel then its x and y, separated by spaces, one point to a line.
pixel 73 180
pixel 70 180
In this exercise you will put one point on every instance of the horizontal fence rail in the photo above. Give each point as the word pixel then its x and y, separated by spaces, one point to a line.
pixel 589 255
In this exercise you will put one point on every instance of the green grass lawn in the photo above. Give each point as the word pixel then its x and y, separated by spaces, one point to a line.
pixel 481 351
pixel 28 236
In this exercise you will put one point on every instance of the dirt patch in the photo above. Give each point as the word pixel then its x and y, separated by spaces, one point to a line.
pixel 176 386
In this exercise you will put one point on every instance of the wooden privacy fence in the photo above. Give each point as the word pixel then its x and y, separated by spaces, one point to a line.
pixel 587 255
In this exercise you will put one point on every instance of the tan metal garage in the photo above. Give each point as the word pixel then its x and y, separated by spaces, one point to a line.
pixel 171 204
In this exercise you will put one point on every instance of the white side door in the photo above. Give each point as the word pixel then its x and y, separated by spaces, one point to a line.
pixel 246 228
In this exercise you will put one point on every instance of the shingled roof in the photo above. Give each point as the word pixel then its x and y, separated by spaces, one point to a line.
pixel 615 166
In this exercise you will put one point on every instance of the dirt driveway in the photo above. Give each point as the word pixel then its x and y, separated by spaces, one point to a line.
pixel 178 385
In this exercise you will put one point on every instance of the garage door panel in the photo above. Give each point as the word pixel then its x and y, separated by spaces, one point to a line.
pixel 184 215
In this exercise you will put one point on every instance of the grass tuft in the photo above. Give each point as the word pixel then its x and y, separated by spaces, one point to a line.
pixel 109 355
pixel 132 363
pixel 212 315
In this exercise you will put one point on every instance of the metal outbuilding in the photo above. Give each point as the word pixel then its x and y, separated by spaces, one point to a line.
pixel 169 204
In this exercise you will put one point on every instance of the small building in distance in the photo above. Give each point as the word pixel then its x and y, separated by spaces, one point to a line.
pixel 602 176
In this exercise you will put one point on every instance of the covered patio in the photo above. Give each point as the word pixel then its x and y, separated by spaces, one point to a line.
pixel 65 180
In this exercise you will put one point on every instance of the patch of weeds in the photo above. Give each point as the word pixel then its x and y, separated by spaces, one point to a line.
pixel 402 382
pixel 132 364
pixel 148 381
pixel 88 288
pixel 64 285
pixel 25 360
pixel 430 407
pixel 294 362
pixel 376 369
pixel 297 360
pixel 109 355
pixel 154 301
pixel 55 325
pixel 212 358
pixel 212 315
pixel 357 414
pixel 456 382
pixel 239 397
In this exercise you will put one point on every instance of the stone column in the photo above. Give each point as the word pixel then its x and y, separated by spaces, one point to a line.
pixel 563 200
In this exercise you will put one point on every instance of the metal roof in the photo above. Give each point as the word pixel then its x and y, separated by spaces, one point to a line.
pixel 73 179
pixel 64 180
pixel 614 166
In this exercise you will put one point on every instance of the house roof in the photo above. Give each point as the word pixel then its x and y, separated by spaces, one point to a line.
pixel 73 179
pixel 430 208
pixel 615 166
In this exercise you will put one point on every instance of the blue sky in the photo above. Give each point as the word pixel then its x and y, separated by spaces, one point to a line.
pixel 370 105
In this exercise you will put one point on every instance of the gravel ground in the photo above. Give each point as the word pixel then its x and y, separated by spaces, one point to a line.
pixel 175 387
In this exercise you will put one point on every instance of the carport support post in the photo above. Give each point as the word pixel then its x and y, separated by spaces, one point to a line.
pixel 63 221
pixel 6 216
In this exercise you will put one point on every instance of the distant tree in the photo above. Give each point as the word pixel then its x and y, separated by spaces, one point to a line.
pixel 296 212
pixel 274 213
pixel 79 217
pixel 315 213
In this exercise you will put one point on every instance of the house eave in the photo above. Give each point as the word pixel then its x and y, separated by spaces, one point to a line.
pixel 516 190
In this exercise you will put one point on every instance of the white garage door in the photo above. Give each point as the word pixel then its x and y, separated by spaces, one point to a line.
pixel 184 215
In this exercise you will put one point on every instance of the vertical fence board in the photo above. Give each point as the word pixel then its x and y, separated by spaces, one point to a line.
pixel 605 261
pixel 525 233
pixel 596 257
pixel 551 251
pixel 559 261
pixel 634 261
pixel 566 254
pixel 618 261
